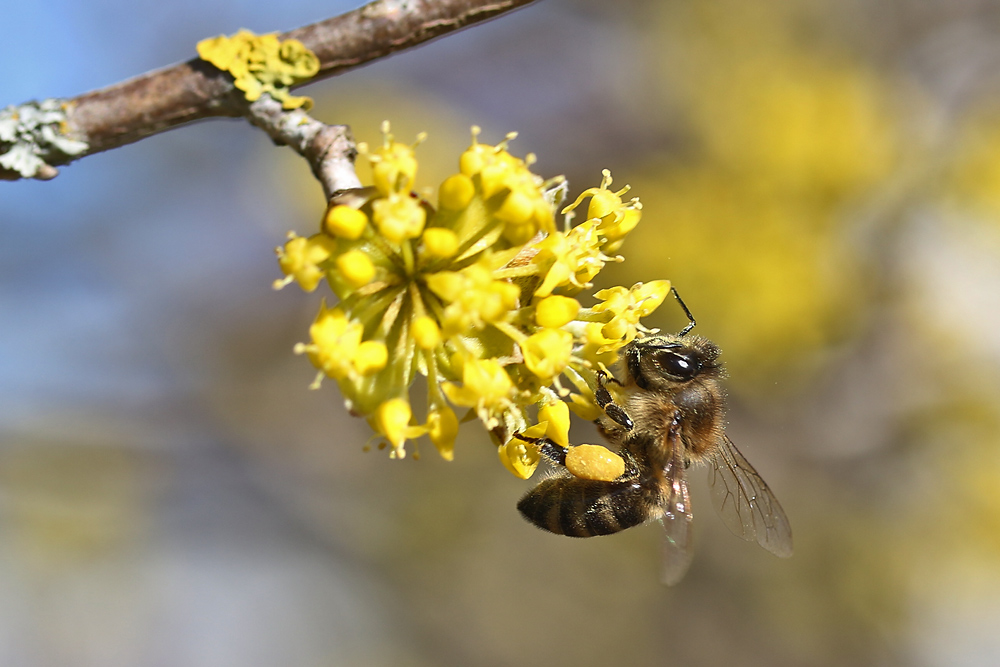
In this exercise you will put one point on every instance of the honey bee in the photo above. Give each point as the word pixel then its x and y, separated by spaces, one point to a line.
pixel 672 416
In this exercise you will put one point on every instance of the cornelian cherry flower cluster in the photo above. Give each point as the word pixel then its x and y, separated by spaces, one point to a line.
pixel 477 293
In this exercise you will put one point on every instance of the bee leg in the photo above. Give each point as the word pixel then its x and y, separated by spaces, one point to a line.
pixel 605 378
pixel 555 453
pixel 603 397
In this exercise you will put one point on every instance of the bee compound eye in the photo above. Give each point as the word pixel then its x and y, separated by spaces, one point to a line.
pixel 677 365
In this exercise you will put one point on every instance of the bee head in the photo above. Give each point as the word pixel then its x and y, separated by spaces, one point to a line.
pixel 661 362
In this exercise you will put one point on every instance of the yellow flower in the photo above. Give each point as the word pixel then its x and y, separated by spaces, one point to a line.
pixel 547 352
pixel 371 357
pixel 585 407
pixel 394 165
pixel 470 295
pixel 426 333
pixel 399 217
pixel 474 297
pixel 442 427
pixel 571 259
pixel 456 192
pixel 335 341
pixel 556 311
pixel 520 456
pixel 522 202
pixel 356 268
pixel 300 260
pixel 440 243
pixel 555 414
pixel 345 222
pixel 486 386
pixel 626 307
pixel 392 419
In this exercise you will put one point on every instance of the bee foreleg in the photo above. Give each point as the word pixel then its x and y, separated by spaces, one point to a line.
pixel 607 403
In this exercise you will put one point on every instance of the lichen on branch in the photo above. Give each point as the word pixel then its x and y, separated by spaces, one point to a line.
pixel 164 99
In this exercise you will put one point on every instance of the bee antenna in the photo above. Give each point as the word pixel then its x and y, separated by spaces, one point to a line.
pixel 687 312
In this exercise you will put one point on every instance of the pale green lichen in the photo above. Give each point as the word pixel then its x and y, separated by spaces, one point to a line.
pixel 34 134
pixel 263 64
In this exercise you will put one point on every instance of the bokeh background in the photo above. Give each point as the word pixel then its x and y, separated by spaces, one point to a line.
pixel 821 181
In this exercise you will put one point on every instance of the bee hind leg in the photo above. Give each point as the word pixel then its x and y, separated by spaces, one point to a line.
pixel 615 412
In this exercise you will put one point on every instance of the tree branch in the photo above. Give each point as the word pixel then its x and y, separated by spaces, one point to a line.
pixel 164 99
pixel 329 149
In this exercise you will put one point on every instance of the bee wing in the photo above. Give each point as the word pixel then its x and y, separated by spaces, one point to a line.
pixel 745 503
pixel 677 545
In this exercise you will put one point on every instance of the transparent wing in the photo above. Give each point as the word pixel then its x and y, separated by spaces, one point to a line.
pixel 677 545
pixel 745 503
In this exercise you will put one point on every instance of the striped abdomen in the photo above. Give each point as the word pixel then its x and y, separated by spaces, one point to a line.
pixel 584 507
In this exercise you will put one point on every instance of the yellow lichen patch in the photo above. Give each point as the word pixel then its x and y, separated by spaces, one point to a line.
pixel 263 64
pixel 594 462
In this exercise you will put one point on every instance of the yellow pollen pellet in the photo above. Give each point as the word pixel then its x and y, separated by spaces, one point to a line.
pixel 456 192
pixel 426 333
pixel 345 222
pixel 356 268
pixel 556 311
pixel 594 462
pixel 440 242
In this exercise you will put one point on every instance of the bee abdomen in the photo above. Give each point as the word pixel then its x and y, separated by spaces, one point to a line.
pixel 584 508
